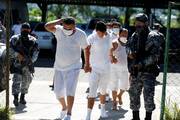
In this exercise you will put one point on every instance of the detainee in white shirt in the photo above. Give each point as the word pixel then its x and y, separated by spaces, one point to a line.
pixel 16 28
pixel 119 71
pixel 68 63
pixel 99 44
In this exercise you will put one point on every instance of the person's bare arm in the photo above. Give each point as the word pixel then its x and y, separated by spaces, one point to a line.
pixel 2 27
pixel 50 26
pixel 112 57
pixel 87 67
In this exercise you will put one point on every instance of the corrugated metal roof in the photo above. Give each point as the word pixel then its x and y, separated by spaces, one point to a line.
pixel 120 3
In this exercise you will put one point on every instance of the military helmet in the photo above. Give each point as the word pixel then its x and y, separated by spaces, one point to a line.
pixel 141 17
pixel 26 26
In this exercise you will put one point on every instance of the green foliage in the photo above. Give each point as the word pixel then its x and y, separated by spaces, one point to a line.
pixel 84 13
pixel 132 12
pixel 5 114
pixel 178 18
pixel 175 24
pixel 51 16
pixel 121 19
pixel 172 111
pixel 132 21
pixel 80 12
pixel 35 14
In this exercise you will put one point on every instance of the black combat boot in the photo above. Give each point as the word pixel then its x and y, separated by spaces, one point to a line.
pixel 136 115
pixel 15 101
pixel 22 99
pixel 148 115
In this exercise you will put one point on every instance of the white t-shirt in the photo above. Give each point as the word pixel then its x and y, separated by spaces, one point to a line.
pixel 68 49
pixel 113 37
pixel 16 29
pixel 120 52
pixel 121 55
pixel 99 53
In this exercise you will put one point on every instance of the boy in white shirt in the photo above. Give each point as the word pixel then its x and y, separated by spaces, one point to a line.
pixel 99 45
pixel 119 71
pixel 68 63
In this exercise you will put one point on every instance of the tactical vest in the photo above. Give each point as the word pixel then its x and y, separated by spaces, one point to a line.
pixel 138 46
pixel 25 47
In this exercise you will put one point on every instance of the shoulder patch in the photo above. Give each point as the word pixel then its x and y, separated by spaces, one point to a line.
pixel 32 38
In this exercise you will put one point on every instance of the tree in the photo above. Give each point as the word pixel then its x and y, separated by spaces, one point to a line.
pixel 80 12
pixel 35 14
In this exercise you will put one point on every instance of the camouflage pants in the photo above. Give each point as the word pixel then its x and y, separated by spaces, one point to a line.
pixel 21 82
pixel 147 82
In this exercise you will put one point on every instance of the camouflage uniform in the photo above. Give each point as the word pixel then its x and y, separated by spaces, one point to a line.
pixel 22 76
pixel 162 47
pixel 2 67
pixel 143 68
pixel 21 82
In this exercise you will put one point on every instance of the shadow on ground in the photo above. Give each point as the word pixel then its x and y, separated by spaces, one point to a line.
pixel 114 114
pixel 19 109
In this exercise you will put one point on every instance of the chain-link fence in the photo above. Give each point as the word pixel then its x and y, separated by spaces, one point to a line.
pixel 171 69
pixel 2 99
pixel 173 76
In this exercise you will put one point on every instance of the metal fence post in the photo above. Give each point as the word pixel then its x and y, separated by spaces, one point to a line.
pixel 163 98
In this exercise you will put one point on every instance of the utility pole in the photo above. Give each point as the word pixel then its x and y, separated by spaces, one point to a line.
pixel 8 13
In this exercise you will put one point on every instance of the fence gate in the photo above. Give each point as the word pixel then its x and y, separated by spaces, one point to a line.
pixel 171 71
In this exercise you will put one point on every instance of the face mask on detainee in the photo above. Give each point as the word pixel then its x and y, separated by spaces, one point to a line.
pixel 109 30
pixel 67 32
pixel 123 40
pixel 116 31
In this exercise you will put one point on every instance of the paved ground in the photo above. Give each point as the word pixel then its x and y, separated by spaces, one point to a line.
pixel 42 104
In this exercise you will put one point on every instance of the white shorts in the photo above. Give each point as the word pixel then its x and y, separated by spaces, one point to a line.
pixel 98 81
pixel 65 82
pixel 119 78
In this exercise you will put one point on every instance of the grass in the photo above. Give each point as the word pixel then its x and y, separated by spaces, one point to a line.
pixel 5 114
pixel 172 111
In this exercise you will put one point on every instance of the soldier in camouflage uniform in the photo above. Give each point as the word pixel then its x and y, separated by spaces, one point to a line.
pixel 143 55
pixel 157 28
pixel 2 67
pixel 24 52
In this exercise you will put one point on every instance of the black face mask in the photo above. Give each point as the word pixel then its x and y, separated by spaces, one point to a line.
pixel 25 38
pixel 24 34
pixel 142 30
